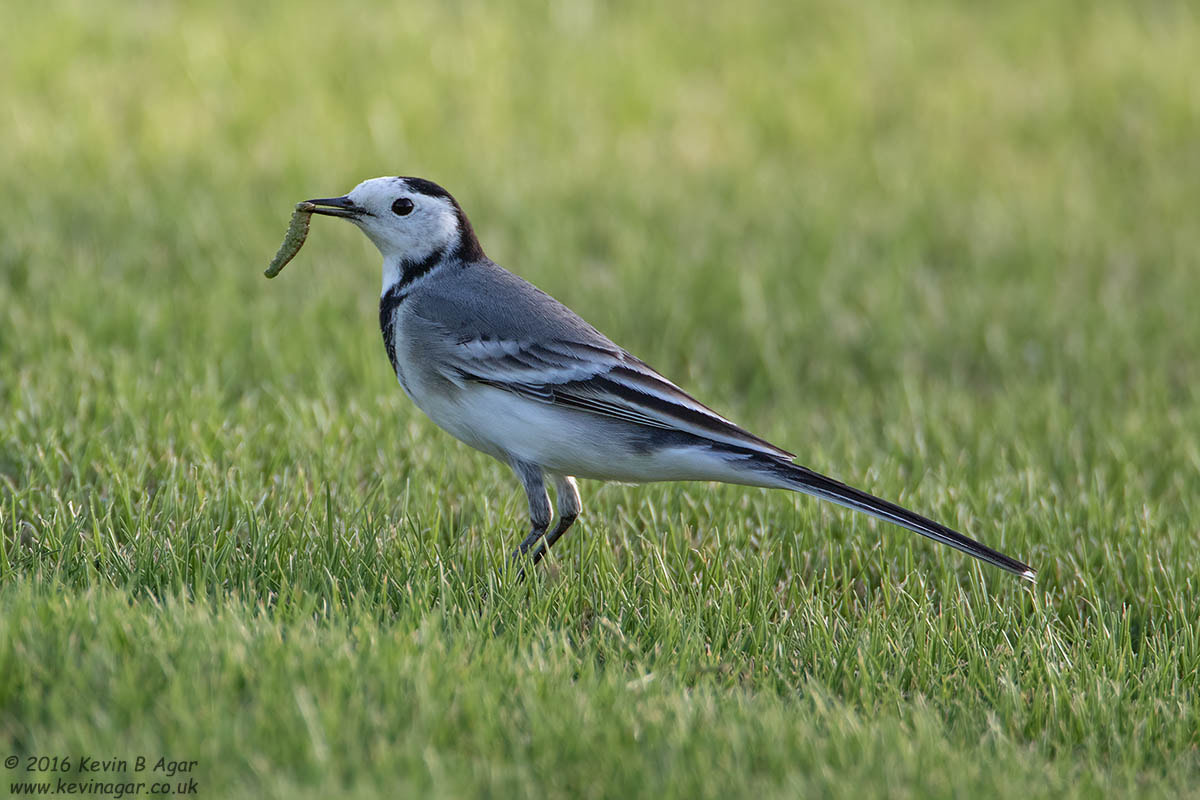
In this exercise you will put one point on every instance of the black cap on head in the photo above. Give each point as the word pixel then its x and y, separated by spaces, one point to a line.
pixel 469 248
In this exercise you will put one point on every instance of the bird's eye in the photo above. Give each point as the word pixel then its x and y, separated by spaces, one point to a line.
pixel 402 207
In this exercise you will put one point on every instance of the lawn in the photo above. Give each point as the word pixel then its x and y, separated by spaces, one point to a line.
pixel 946 252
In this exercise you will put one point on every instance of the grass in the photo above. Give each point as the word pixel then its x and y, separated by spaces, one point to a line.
pixel 946 252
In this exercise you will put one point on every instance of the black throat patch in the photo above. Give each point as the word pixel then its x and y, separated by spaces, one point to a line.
pixel 397 293
pixel 388 304
pixel 411 270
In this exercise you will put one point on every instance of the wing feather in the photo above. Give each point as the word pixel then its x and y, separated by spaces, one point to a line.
pixel 595 380
pixel 491 327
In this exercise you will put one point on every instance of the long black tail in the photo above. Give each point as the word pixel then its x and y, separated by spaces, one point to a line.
pixel 802 479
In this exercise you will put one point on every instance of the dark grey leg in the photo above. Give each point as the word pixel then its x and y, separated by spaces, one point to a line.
pixel 539 504
pixel 569 507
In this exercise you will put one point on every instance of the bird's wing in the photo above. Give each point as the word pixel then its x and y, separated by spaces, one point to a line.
pixel 494 328
pixel 605 381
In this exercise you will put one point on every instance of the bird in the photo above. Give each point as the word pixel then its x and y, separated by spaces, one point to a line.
pixel 510 371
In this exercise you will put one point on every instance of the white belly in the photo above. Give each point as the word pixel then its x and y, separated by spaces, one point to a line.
pixel 563 441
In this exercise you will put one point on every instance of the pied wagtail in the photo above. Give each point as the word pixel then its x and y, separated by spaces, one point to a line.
pixel 509 370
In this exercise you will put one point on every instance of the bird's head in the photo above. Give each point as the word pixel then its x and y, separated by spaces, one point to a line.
pixel 410 220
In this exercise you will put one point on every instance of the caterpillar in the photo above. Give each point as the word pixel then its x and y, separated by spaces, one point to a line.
pixel 297 232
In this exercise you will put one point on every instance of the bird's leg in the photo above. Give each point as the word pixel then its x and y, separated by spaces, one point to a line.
pixel 569 507
pixel 539 504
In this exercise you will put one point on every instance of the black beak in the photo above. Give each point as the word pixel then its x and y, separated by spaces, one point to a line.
pixel 337 207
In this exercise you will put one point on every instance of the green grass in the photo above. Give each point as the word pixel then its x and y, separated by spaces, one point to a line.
pixel 945 252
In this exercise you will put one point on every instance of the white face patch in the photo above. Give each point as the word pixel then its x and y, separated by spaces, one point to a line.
pixel 430 226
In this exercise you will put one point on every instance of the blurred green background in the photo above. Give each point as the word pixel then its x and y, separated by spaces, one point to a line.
pixel 944 251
